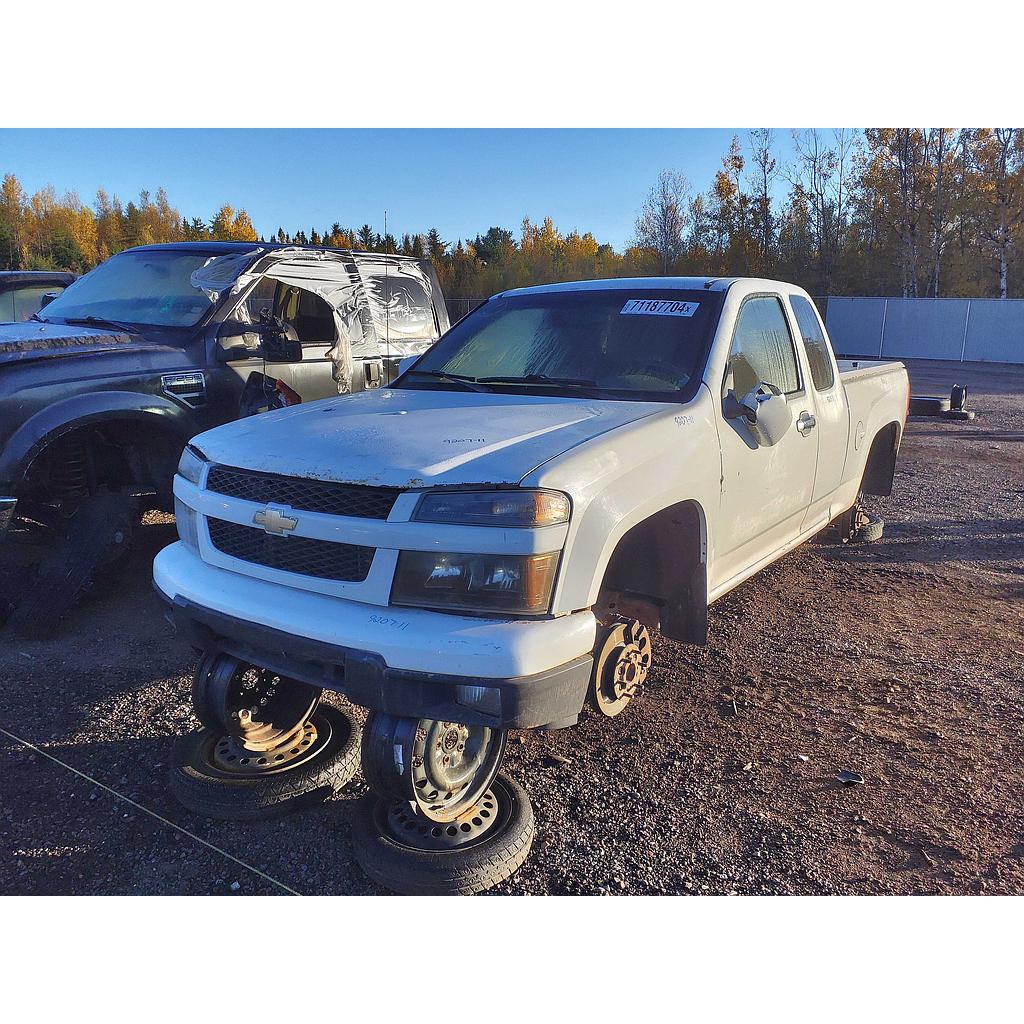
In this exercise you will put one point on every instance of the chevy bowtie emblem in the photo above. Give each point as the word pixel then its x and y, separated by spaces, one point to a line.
pixel 274 521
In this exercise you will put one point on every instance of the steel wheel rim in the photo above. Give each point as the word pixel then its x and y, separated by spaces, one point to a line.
pixel 452 765
pixel 228 757
pixel 262 710
pixel 410 829
pixel 403 759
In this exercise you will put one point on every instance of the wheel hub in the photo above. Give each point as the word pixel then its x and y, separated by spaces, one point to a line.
pixel 630 671
pixel 411 828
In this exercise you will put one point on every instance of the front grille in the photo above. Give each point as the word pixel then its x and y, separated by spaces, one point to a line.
pixel 311 495
pixel 323 559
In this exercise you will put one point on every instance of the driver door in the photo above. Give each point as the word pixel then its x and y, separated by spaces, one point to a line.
pixel 765 490
pixel 313 321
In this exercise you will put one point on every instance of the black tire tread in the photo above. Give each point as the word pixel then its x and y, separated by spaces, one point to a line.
pixel 871 531
pixel 67 569
pixel 435 873
pixel 928 405
pixel 258 798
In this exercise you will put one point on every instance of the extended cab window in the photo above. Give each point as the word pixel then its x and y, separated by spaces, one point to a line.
pixel 762 348
pixel 815 344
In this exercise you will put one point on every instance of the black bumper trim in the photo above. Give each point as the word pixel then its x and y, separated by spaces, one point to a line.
pixel 551 699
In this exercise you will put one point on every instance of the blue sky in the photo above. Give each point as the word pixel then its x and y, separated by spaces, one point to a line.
pixel 459 181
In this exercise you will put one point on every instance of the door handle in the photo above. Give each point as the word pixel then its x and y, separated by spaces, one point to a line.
pixel 805 424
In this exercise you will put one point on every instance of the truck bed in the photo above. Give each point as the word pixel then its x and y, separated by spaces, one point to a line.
pixel 861 369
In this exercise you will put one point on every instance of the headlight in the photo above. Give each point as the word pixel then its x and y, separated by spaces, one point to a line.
pixel 481 583
pixel 494 508
pixel 191 463
pixel 186 519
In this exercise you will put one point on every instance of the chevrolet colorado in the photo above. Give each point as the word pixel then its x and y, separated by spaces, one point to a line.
pixel 485 544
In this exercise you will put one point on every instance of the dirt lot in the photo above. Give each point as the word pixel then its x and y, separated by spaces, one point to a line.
pixel 903 661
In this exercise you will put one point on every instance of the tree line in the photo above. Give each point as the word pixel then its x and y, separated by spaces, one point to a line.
pixel 874 211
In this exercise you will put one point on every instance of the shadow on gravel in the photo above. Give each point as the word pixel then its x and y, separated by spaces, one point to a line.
pixel 969 435
pixel 945 540
pixel 65 834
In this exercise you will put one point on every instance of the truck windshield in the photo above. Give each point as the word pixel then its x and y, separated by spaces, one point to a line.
pixel 617 342
pixel 149 288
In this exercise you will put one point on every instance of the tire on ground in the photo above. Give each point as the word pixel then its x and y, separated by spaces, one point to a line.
pixel 202 788
pixel 461 871
pixel 95 537
pixel 871 531
pixel 928 406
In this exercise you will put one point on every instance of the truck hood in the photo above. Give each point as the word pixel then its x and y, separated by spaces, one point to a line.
pixel 34 340
pixel 407 438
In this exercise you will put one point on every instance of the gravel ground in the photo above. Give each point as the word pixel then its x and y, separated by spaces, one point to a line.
pixel 901 661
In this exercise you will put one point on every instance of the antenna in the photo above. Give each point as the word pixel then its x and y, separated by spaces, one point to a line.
pixel 387 296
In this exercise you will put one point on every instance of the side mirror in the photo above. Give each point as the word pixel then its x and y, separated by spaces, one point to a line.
pixel 765 411
pixel 278 341
pixel 46 298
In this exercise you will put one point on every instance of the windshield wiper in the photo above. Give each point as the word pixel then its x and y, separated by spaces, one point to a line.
pixel 470 383
pixel 99 321
pixel 542 379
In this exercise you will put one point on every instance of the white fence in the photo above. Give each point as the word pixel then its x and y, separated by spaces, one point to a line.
pixel 968 330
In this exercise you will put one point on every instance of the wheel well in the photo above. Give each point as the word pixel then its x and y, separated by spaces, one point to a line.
pixel 129 454
pixel 880 467
pixel 658 574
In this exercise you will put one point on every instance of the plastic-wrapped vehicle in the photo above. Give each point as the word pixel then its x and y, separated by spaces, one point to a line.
pixel 101 389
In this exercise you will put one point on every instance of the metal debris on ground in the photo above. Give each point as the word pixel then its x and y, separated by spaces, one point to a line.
pixel 848 778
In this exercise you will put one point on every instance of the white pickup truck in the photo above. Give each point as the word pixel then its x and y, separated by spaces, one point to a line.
pixel 484 544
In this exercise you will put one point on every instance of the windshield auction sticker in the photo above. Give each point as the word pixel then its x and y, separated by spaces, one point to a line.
pixel 659 307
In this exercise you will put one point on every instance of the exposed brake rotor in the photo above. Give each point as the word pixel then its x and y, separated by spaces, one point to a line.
pixel 621 667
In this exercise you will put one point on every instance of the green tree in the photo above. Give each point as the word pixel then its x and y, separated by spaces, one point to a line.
pixel 493 246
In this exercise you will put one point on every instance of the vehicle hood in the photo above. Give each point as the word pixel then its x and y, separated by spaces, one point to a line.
pixel 31 340
pixel 408 438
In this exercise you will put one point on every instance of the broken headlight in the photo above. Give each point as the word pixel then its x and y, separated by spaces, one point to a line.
pixel 494 508
pixel 479 583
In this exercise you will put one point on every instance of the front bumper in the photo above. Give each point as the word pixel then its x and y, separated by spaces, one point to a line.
pixel 6 514
pixel 503 673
